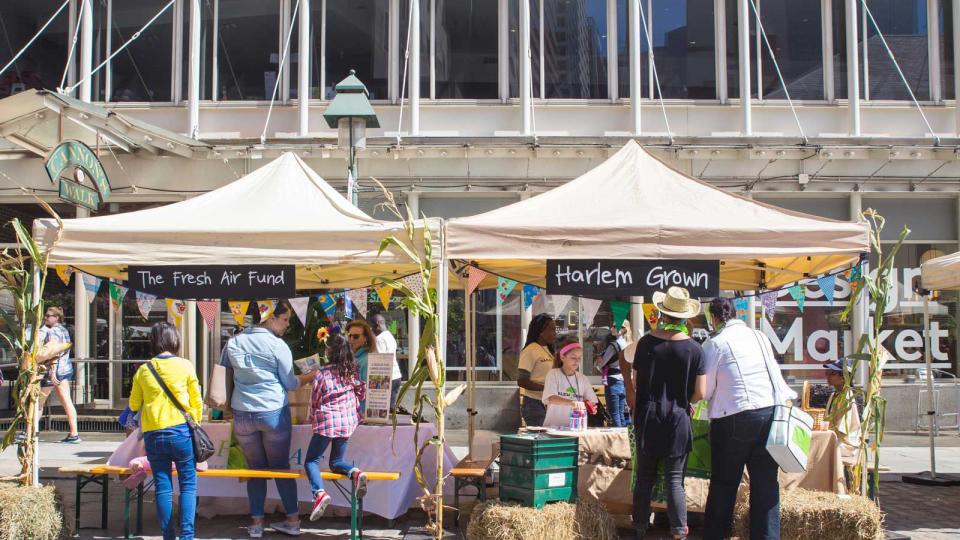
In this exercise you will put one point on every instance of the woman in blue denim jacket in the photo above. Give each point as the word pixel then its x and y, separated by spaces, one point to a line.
pixel 262 375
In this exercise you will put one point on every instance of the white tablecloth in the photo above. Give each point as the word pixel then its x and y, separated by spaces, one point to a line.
pixel 372 448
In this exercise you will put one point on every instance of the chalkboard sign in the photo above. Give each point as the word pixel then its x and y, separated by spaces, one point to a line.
pixel 597 278
pixel 215 281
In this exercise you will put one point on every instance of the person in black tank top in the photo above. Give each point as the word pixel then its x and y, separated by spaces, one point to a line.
pixel 669 376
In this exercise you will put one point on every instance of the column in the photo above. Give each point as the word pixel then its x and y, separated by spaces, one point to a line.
pixel 525 75
pixel 303 65
pixel 193 95
pixel 81 325
pixel 636 72
pixel 413 321
pixel 636 316
pixel 392 42
pixel 415 67
pixel 743 34
pixel 188 331
pixel 853 68
pixel 86 49
pixel 503 50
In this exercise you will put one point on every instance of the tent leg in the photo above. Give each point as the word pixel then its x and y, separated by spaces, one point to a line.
pixel 470 364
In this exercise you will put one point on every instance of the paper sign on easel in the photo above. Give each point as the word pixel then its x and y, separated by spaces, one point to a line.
pixel 379 382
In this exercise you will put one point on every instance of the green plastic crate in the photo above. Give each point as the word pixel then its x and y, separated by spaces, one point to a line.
pixel 538 479
pixel 541 460
pixel 537 498
pixel 539 451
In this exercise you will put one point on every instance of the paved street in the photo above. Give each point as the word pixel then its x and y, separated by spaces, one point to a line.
pixel 924 513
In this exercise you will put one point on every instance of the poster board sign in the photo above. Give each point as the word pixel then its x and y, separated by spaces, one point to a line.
pixel 604 278
pixel 379 379
pixel 235 282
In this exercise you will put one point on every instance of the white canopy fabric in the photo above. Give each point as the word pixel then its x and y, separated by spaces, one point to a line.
pixel 941 273
pixel 633 206
pixel 282 213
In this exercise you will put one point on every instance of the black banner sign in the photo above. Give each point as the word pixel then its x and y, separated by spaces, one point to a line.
pixel 215 281
pixel 623 277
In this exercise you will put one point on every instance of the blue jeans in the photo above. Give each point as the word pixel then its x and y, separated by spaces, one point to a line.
pixel 165 447
pixel 616 394
pixel 533 411
pixel 264 438
pixel 318 444
pixel 736 441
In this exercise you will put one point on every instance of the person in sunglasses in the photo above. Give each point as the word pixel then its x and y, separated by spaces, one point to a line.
pixel 362 342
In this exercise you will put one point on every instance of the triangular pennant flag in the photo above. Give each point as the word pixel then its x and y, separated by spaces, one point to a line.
pixel 769 302
pixel 529 293
pixel 743 306
pixel 175 311
pixel 64 272
pixel 504 286
pixel 827 284
pixel 266 307
pixel 329 304
pixel 145 303
pixel 209 310
pixel 385 293
pixel 797 293
pixel 91 284
pixel 559 302
pixel 414 282
pixel 589 308
pixel 620 311
pixel 474 277
pixel 238 308
pixel 299 306
pixel 358 297
pixel 856 273
pixel 117 292
pixel 651 315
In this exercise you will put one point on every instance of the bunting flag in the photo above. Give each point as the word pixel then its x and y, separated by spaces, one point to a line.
pixel 743 308
pixel 145 304
pixel 299 306
pixel 239 310
pixel 385 293
pixel 827 284
pixel 358 297
pixel 589 308
pixel 559 303
pixel 856 273
pixel 266 308
pixel 504 286
pixel 414 282
pixel 175 311
pixel 530 292
pixel 651 315
pixel 117 292
pixel 209 310
pixel 797 293
pixel 474 277
pixel 620 312
pixel 91 284
pixel 64 272
pixel 329 304
pixel 769 302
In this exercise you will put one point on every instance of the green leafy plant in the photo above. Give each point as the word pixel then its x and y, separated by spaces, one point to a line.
pixel 23 274
pixel 869 354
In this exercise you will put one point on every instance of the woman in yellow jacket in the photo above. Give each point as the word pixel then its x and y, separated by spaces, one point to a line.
pixel 165 432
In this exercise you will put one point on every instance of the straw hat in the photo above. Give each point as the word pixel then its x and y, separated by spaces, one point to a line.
pixel 676 303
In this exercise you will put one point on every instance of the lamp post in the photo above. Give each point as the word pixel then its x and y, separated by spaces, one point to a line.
pixel 350 112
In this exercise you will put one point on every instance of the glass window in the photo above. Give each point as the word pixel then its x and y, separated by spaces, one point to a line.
pixel 623 50
pixel 466 49
pixel 357 38
pixel 206 51
pixel 928 219
pixel 247 52
pixel 143 70
pixel 793 29
pixel 833 208
pixel 904 26
pixel 946 50
pixel 839 49
pixel 513 18
pixel 733 50
pixel 574 49
pixel 41 65
pixel 684 48
pixel 424 46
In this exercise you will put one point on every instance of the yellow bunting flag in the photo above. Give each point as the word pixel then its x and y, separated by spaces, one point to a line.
pixel 266 308
pixel 385 293
pixel 175 310
pixel 651 314
pixel 64 272
pixel 239 310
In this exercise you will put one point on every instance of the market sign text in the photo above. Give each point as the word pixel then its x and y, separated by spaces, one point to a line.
pixel 215 281
pixel 77 159
pixel 631 277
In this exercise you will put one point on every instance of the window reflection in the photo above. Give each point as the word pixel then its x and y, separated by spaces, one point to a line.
pixel 792 29
pixel 357 38
pixel 41 65
pixel 683 48
pixel 946 51
pixel 574 49
pixel 904 26
pixel 143 70
pixel 248 49
pixel 466 49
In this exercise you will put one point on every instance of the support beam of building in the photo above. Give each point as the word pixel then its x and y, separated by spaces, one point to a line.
pixel 193 94
pixel 743 35
pixel 636 71
pixel 86 49
pixel 414 67
pixel 413 321
pixel 525 75
pixel 853 68
pixel 303 75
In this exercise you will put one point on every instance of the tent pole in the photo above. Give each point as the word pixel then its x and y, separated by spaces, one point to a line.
pixel 470 363
pixel 931 413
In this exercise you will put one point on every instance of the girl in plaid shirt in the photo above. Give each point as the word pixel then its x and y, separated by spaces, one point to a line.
pixel 335 414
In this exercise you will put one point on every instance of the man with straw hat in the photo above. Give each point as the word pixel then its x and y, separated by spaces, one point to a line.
pixel 669 375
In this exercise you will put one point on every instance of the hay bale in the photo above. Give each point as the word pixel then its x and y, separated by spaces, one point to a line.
pixel 30 513
pixel 585 520
pixel 808 514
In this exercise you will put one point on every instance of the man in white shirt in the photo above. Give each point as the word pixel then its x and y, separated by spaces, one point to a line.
pixel 387 344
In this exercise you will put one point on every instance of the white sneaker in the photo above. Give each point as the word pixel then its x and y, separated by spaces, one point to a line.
pixel 255 531
pixel 287 528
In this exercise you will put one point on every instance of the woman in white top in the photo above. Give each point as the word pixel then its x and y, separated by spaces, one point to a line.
pixel 564 387
pixel 742 381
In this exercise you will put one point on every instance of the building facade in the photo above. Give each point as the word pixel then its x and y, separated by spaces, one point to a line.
pixel 488 102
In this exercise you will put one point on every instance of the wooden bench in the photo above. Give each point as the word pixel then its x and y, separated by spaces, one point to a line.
pixel 100 475
pixel 469 473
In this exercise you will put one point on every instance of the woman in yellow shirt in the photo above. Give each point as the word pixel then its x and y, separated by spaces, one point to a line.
pixel 166 434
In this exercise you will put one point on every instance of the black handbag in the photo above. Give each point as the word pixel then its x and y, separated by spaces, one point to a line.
pixel 203 447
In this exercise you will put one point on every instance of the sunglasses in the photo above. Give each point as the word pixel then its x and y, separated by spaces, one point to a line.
pixel 355 337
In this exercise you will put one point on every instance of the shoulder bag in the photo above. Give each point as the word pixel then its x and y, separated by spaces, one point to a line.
pixel 203 447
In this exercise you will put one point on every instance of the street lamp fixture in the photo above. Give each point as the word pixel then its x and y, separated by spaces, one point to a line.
pixel 351 113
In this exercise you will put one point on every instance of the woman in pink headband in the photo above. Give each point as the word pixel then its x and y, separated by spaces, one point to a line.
pixel 565 387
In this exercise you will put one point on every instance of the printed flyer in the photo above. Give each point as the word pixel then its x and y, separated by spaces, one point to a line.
pixel 379 372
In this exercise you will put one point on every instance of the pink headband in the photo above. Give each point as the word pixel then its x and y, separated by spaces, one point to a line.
pixel 569 348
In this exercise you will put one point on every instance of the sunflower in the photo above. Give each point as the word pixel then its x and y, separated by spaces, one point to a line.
pixel 323 334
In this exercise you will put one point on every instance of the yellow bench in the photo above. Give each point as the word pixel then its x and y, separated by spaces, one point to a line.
pixel 99 475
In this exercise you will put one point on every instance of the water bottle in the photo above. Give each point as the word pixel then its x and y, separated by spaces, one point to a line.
pixel 582 421
pixel 574 422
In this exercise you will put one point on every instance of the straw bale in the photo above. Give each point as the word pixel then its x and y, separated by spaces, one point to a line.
pixel 585 520
pixel 30 513
pixel 808 514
